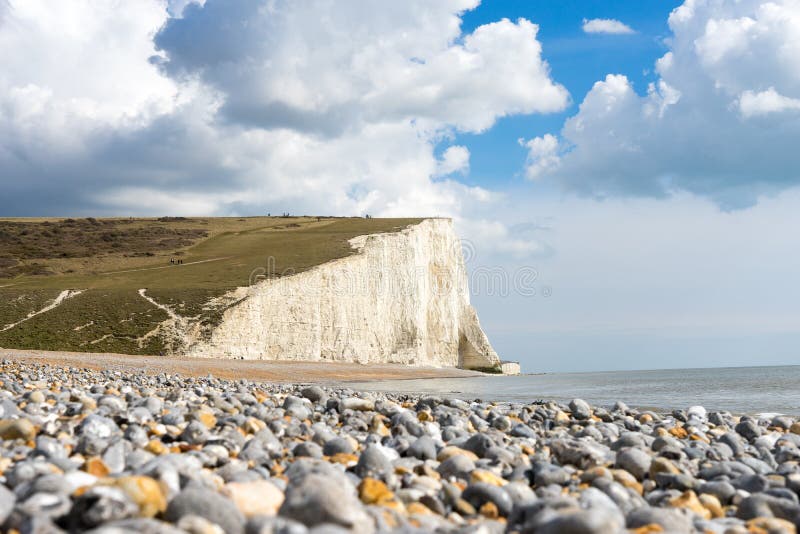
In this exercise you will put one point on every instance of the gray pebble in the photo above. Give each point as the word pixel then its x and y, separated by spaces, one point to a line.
pixel 208 504
pixel 338 445
pixel 317 499
pixel 7 502
pixel 373 463
pixel 580 409
pixel 479 493
pixel 458 466
pixel 422 448
pixel 635 461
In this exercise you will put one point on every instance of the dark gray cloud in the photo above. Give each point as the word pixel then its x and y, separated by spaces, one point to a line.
pixel 209 38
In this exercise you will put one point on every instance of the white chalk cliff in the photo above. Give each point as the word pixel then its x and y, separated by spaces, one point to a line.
pixel 402 298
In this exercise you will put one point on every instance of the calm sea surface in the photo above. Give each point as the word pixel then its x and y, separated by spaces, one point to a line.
pixel 738 390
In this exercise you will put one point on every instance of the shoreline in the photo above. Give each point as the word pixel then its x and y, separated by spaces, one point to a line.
pixel 372 378
pixel 298 372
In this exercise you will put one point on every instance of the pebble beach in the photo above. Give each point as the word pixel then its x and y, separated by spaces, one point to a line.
pixel 108 451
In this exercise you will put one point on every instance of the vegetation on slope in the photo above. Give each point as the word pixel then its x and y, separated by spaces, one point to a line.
pixel 110 260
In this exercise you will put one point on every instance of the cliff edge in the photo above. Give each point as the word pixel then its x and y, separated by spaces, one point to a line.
pixel 403 298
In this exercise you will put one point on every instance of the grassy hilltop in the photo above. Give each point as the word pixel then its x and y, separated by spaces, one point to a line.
pixel 110 260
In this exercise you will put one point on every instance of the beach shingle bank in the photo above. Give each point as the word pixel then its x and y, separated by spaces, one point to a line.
pixel 125 452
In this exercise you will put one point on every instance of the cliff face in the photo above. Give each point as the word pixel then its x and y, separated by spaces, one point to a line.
pixel 403 298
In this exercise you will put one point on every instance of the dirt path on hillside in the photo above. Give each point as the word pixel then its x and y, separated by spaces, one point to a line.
pixel 165 266
pixel 64 295
pixel 263 370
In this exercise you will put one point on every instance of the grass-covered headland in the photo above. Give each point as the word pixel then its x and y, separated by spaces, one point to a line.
pixel 74 284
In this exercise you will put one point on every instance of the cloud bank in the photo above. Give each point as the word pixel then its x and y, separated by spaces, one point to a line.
pixel 720 120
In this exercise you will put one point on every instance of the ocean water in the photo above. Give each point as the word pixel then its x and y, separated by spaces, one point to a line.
pixel 754 390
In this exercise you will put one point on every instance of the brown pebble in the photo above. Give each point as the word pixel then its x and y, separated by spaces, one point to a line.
pixel 770 525
pixel 156 447
pixel 418 509
pixel 679 432
pixel 17 429
pixel 464 508
pixel 712 504
pixel 662 465
pixel 145 492
pixel 489 510
pixel 372 491
pixel 648 529
pixel 688 499
pixel 97 467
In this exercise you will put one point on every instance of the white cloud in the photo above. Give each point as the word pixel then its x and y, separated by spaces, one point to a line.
pixel 88 58
pixel 611 26
pixel 727 63
pixel 314 67
pixel 454 159
pixel 770 101
pixel 543 155
pixel 495 242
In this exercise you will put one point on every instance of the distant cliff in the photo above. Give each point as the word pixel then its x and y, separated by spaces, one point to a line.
pixel 403 298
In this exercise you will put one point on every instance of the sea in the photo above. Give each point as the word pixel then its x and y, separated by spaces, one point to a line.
pixel 740 390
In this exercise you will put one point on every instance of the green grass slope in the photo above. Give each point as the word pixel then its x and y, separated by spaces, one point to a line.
pixel 110 260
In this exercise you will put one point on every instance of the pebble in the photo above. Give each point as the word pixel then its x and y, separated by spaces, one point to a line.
pixel 458 466
pixel 634 461
pixel 480 493
pixel 194 524
pixel 17 429
pixel 110 452
pixel 316 500
pixel 373 463
pixel 580 409
pixel 665 519
pixel 7 502
pixel 99 505
pixel 338 446
pixel 594 521
pixel 355 403
pixel 314 394
pixel 146 492
pixel 258 497
pixel 208 504
pixel 423 448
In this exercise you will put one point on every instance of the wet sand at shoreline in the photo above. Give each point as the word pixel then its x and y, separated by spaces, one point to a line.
pixel 261 370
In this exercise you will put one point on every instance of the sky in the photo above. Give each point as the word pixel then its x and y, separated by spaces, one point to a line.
pixel 626 172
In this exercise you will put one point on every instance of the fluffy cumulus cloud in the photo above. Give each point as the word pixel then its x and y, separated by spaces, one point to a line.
pixel 720 120
pixel 224 107
pixel 611 26
pixel 542 155
pixel 283 65
pixel 454 159
pixel 766 102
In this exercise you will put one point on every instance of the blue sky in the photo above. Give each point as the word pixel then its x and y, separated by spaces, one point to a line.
pixel 577 60
pixel 649 177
